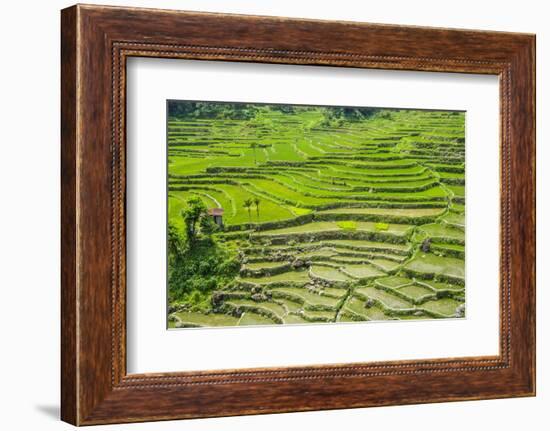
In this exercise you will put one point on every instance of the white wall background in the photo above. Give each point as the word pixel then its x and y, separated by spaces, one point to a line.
pixel 29 216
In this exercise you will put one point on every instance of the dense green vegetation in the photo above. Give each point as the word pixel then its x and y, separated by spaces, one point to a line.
pixel 294 214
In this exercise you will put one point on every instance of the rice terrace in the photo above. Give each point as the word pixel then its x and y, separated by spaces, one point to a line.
pixel 295 214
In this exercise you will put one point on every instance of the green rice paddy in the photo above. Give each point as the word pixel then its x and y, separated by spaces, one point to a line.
pixel 331 215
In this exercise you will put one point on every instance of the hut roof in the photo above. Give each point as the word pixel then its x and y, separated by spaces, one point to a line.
pixel 215 211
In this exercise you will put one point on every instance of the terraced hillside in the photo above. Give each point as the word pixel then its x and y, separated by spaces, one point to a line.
pixel 298 214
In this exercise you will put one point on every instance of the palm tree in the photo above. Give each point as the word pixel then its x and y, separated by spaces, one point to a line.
pixel 253 146
pixel 257 203
pixel 247 204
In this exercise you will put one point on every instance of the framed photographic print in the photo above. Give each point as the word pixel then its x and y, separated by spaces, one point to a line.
pixel 263 208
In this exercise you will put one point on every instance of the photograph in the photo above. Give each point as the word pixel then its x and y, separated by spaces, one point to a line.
pixel 305 214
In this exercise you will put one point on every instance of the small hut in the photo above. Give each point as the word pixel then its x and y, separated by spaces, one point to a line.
pixel 217 215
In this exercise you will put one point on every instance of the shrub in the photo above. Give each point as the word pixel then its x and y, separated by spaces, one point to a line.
pixel 382 226
pixel 347 225
pixel 194 272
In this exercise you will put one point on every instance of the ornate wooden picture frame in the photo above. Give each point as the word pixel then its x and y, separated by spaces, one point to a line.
pixel 96 41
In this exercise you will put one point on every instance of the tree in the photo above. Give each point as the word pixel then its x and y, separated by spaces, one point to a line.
pixel 175 245
pixel 248 204
pixel 257 203
pixel 191 216
pixel 285 109
pixel 184 110
pixel 207 224
pixel 335 116
pixel 253 146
